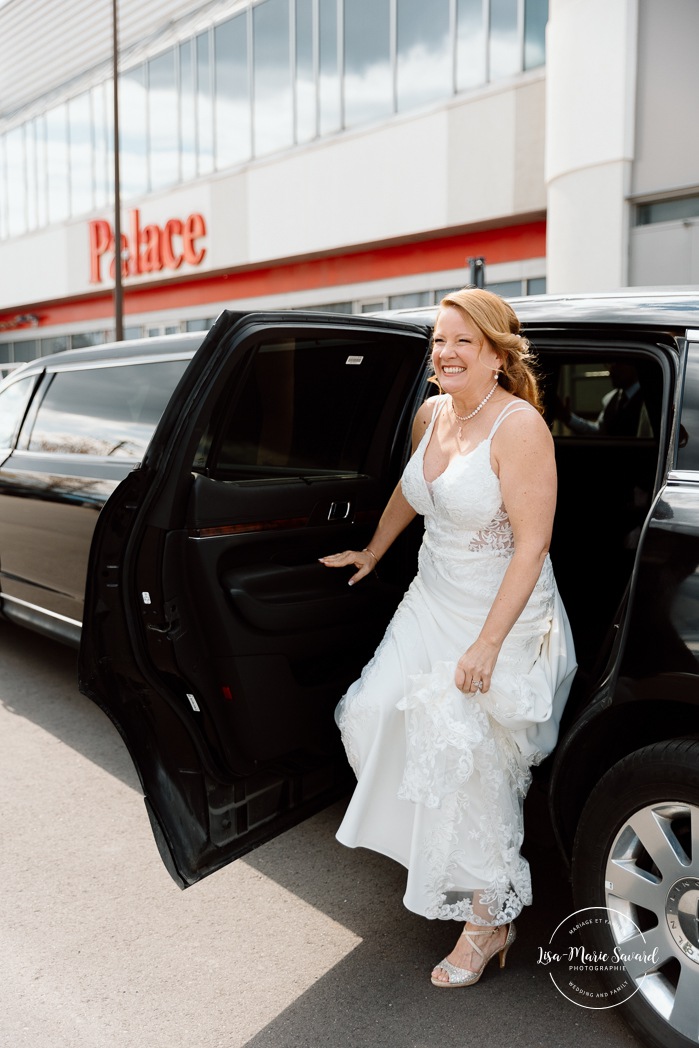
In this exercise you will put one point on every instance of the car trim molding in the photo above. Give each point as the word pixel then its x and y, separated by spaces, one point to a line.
pixel 683 476
pixel 241 529
pixel 40 611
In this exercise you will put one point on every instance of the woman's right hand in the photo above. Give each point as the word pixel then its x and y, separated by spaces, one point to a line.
pixel 363 559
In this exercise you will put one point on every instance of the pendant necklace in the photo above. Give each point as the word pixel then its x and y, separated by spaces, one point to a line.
pixel 465 418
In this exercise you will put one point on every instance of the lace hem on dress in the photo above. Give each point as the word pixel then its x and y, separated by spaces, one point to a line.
pixel 451 738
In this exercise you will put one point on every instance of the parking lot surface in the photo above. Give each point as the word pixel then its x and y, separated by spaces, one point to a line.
pixel 302 944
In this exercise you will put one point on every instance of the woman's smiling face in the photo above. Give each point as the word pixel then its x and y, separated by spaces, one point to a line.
pixel 462 356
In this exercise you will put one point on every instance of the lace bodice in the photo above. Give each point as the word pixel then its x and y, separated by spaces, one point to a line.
pixel 463 509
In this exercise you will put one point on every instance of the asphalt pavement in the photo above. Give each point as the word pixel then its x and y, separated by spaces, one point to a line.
pixel 301 944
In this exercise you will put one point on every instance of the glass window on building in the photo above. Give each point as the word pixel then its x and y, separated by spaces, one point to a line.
pixel 132 132
pixel 87 338
pixel 329 71
pixel 536 286
pixel 205 105
pixel 3 190
pixel 54 345
pixel 188 118
pixel 233 125
pixel 368 84
pixel 80 146
pixel 163 151
pixel 335 307
pixel 16 181
pixel 210 103
pixel 536 14
pixel 27 349
pixel 273 127
pixel 471 63
pixel 443 292
pixel 198 325
pixel 673 210
pixel 412 300
pixel 42 172
pixel 102 106
pixel 504 53
pixel 31 160
pixel 424 58
pixel 506 288
pixel 304 71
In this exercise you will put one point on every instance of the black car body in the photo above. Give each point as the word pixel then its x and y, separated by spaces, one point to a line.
pixel 219 646
pixel 72 426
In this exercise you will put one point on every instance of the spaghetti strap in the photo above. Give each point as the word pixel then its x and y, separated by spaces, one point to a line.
pixel 440 401
pixel 508 410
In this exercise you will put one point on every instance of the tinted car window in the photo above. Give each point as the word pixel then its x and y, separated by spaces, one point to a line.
pixel 304 407
pixel 607 398
pixel 105 410
pixel 13 402
pixel 688 450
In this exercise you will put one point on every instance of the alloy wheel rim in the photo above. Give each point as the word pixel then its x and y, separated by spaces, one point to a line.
pixel 652 894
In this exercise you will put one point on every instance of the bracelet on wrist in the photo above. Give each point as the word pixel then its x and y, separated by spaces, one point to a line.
pixel 371 553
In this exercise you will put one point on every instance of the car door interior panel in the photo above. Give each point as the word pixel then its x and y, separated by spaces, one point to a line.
pixel 287 453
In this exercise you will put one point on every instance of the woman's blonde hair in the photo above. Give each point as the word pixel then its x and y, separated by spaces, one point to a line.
pixel 498 322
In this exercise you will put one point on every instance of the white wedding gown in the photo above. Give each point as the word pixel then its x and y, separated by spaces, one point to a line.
pixel 441 775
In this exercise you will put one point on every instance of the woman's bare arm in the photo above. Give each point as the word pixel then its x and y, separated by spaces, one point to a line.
pixel 394 519
pixel 523 456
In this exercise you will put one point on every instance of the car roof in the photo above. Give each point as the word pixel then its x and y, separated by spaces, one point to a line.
pixel 676 309
pixel 152 346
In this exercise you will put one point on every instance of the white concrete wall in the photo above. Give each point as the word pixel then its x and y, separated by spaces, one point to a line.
pixel 667 140
pixel 477 160
pixel 665 253
pixel 590 141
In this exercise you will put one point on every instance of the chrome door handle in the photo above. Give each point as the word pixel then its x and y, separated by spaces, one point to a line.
pixel 339 510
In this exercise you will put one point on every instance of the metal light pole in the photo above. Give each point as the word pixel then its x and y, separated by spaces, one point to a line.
pixel 476 268
pixel 118 291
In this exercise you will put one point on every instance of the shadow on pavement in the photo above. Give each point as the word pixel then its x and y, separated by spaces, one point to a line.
pixel 40 683
pixel 381 989
pixel 379 994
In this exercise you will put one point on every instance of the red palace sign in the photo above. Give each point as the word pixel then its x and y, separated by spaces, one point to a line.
pixel 149 249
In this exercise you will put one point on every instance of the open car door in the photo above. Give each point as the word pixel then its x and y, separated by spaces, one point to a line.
pixel 212 637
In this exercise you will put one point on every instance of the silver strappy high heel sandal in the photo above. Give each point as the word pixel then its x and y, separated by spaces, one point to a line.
pixel 464 977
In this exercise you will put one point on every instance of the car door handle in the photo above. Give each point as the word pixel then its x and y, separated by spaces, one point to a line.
pixel 339 510
pixel 158 629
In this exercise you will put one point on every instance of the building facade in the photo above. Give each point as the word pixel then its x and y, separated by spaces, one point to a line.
pixel 338 154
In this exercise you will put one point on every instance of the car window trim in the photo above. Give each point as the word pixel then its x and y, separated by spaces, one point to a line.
pixel 46 377
pixel 99 365
pixel 683 476
pixel 76 457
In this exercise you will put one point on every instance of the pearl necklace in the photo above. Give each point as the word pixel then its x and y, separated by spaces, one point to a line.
pixel 465 418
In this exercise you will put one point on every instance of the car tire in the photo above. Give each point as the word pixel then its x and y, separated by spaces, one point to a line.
pixel 636 853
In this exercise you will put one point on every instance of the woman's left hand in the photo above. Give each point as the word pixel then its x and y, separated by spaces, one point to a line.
pixel 474 670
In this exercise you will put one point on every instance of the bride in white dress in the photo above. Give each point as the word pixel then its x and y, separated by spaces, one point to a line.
pixel 466 689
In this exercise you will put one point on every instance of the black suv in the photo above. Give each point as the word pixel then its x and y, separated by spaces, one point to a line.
pixel 219 646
